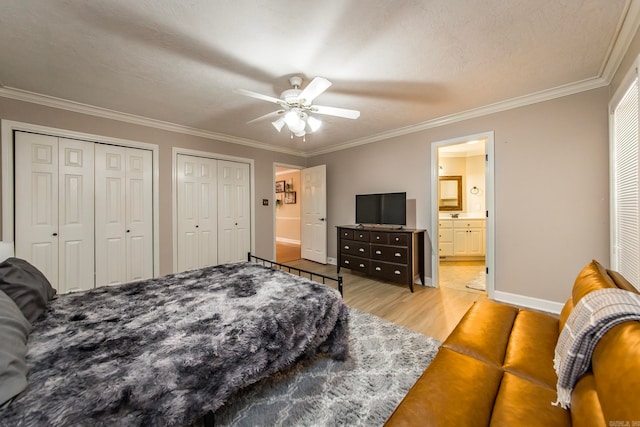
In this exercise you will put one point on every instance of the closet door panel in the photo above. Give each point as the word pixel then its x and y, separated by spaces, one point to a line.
pixel 207 213
pixel 76 215
pixel 197 212
pixel 139 217
pixel 110 201
pixel 36 204
pixel 187 201
pixel 234 240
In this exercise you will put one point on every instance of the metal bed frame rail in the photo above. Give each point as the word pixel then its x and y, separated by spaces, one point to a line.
pixel 299 271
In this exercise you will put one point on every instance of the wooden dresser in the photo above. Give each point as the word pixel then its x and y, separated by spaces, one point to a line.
pixel 396 255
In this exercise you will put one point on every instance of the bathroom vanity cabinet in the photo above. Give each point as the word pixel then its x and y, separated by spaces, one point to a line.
pixel 461 237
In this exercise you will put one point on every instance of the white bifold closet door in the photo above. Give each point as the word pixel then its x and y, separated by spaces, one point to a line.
pixel 54 208
pixel 197 212
pixel 234 212
pixel 213 211
pixel 124 218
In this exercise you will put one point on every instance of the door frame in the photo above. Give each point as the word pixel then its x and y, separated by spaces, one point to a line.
pixel 174 193
pixel 489 206
pixel 8 189
pixel 273 198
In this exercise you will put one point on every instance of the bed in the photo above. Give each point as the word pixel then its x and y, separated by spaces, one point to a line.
pixel 171 350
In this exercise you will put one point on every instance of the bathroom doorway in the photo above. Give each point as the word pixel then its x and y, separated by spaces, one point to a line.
pixel 462 229
pixel 288 230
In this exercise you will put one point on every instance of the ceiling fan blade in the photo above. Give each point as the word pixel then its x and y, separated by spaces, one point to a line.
pixel 258 96
pixel 267 116
pixel 338 112
pixel 313 89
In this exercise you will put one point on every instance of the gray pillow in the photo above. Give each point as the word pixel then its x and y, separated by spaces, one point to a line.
pixel 27 286
pixel 14 332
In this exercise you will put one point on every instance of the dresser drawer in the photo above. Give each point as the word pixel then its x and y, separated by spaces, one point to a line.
pixel 352 247
pixel 355 263
pixel 378 237
pixel 392 272
pixel 445 223
pixel 399 239
pixel 390 253
pixel 362 236
pixel 346 234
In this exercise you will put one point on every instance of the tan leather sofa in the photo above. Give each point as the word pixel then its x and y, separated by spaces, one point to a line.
pixel 496 368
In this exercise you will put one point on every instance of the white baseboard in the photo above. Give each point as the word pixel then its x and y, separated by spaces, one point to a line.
pixel 332 261
pixel 530 302
pixel 285 240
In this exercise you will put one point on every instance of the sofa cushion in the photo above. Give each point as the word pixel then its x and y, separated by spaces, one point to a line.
pixel 585 404
pixel 524 403
pixel 485 322
pixel 531 348
pixel 455 390
pixel 592 277
pixel 616 366
pixel 14 332
pixel 27 286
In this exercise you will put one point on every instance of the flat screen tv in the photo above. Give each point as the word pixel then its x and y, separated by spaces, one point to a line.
pixel 385 208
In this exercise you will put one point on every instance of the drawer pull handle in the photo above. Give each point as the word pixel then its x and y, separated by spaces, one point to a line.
pixel 377 237
pixel 360 235
pixel 361 265
pixel 397 272
pixel 346 246
pixel 361 249
pixel 378 269
pixel 346 261
pixel 398 254
pixel 397 239
pixel 378 252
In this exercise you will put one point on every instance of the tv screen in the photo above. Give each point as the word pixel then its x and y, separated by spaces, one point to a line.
pixel 387 208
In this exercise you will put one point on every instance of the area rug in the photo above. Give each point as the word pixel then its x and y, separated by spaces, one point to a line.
pixel 385 361
pixel 478 283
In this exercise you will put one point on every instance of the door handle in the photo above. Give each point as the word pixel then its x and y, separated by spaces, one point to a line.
pixel 128 231
pixel 54 234
pixel 322 219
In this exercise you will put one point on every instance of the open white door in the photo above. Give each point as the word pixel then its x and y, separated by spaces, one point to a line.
pixel 314 214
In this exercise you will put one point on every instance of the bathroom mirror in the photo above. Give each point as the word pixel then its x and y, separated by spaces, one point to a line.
pixel 450 193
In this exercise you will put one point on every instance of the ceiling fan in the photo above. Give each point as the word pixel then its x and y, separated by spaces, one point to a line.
pixel 296 107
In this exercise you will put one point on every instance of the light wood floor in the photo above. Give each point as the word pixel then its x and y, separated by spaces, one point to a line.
pixel 430 311
pixel 457 274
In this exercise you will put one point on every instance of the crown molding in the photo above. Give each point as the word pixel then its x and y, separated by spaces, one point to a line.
pixel 621 41
pixel 497 107
pixel 77 107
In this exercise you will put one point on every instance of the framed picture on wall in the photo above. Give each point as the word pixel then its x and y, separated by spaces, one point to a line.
pixel 279 186
pixel 290 198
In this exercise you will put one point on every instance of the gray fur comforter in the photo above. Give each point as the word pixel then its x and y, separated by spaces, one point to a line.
pixel 168 350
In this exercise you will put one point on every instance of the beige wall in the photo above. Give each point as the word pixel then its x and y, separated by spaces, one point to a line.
pixel 472 171
pixel 264 160
pixel 551 188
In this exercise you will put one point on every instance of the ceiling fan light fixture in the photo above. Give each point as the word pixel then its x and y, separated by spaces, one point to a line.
pixel 314 124
pixel 278 124
pixel 295 120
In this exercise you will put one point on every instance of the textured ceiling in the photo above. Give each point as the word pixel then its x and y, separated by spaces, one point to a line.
pixel 401 63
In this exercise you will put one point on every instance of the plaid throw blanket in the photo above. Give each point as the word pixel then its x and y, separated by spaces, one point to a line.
pixel 592 317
